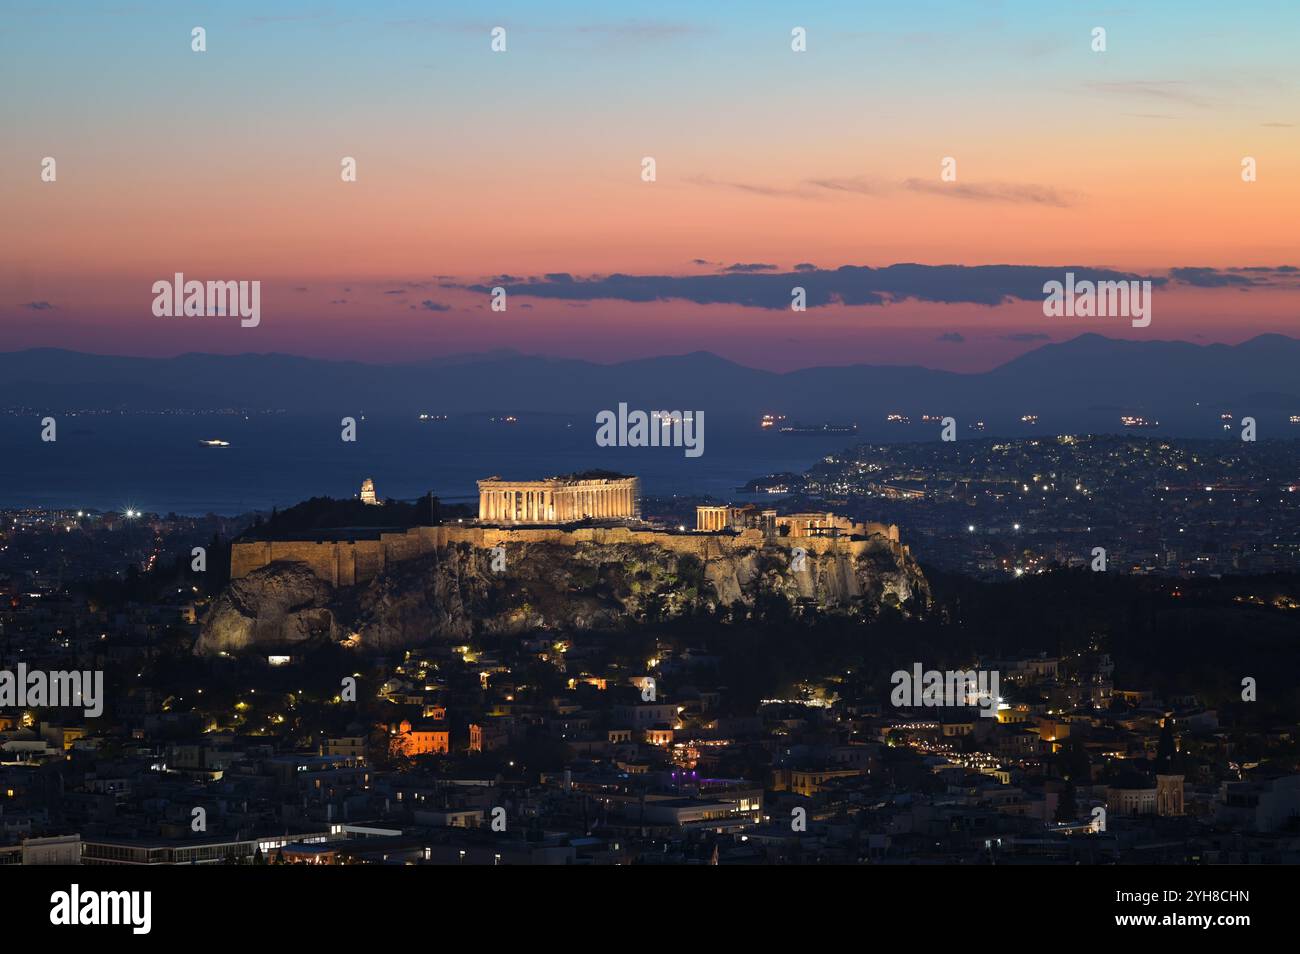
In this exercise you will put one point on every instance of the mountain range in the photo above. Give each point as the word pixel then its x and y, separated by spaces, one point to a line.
pixel 1087 373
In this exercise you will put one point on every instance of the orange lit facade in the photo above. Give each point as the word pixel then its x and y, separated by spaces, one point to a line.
pixel 431 737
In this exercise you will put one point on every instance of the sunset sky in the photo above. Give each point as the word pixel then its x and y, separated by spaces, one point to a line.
pixel 473 165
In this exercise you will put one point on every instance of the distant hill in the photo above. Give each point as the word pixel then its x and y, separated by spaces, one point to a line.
pixel 1089 371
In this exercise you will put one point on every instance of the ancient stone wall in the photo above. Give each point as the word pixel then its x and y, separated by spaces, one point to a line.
pixel 347 562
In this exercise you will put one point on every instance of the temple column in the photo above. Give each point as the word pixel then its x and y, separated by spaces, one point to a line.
pixel 482 512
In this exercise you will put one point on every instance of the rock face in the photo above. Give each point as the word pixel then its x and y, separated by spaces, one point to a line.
pixel 281 604
pixel 453 593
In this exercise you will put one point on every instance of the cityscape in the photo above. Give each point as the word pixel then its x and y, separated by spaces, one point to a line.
pixel 622 689
pixel 574 435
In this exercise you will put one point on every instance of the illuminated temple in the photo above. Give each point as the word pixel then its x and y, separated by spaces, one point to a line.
pixel 594 495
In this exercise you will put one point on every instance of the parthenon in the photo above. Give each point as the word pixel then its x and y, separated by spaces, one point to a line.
pixel 595 495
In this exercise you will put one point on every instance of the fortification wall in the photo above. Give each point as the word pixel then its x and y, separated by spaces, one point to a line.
pixel 347 562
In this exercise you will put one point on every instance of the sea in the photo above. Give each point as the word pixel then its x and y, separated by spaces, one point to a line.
pixel 157 462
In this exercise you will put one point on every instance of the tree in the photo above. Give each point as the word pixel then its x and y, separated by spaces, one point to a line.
pixel 1165 747
pixel 1067 809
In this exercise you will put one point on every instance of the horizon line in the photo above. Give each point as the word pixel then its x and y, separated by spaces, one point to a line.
pixel 511 354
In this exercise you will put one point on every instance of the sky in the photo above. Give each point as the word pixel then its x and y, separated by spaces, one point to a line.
pixel 477 169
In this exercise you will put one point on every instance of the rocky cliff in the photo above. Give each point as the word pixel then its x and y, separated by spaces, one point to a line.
pixel 454 592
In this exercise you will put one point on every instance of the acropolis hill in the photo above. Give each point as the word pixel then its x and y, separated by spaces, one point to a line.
pixel 596 507
pixel 601 568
